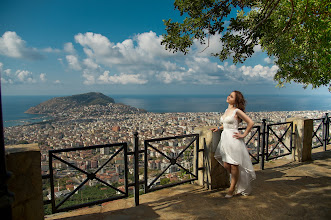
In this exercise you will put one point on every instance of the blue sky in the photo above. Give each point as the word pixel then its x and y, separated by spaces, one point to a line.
pixel 65 47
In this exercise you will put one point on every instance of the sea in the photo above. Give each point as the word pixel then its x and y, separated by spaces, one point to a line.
pixel 13 107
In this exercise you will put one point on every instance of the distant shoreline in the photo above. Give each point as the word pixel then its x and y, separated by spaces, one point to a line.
pixel 15 106
pixel 48 119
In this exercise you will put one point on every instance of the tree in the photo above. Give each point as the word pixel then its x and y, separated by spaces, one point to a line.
pixel 297 33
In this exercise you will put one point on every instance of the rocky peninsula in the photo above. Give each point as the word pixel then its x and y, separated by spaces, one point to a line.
pixel 69 104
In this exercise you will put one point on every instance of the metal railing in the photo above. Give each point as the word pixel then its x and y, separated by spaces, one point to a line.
pixel 283 148
pixel 264 146
pixel 90 175
pixel 265 143
pixel 173 161
pixel 321 132
pixel 55 155
pixel 253 141
pixel 318 127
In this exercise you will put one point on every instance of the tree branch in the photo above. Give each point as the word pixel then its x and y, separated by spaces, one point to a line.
pixel 261 22
pixel 289 21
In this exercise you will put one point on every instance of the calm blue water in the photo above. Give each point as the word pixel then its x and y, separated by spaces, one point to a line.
pixel 15 106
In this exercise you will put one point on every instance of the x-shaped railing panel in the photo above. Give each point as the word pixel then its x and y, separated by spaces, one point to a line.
pixel 255 134
pixel 315 132
pixel 172 160
pixel 89 176
pixel 279 140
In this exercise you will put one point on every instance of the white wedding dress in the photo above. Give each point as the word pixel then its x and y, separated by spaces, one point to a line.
pixel 233 151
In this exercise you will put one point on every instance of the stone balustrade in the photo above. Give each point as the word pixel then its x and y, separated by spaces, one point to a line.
pixel 213 175
pixel 23 161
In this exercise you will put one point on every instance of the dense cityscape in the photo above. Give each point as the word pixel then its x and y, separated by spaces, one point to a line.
pixel 91 126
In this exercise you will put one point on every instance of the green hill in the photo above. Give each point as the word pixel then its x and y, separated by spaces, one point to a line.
pixel 61 104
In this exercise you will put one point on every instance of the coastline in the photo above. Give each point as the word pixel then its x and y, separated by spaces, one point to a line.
pixel 44 119
pixel 14 107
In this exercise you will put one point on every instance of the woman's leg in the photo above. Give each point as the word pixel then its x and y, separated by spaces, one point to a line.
pixel 227 166
pixel 234 178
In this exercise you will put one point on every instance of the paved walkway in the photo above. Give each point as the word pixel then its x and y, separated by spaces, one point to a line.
pixel 284 190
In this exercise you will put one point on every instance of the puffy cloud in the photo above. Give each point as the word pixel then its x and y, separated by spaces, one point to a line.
pixel 150 45
pixel 143 59
pixel 7 72
pixel 257 48
pixel 211 46
pixel 173 76
pixel 244 73
pixel 12 45
pixel 42 77
pixel 90 64
pixel 57 82
pixel 99 45
pixel 121 79
pixel 51 50
pixel 69 48
pixel 259 71
pixel 89 77
pixel 73 62
pixel 268 60
pixel 20 76
pixel 25 76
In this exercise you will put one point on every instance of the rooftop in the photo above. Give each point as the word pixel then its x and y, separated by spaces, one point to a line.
pixel 284 190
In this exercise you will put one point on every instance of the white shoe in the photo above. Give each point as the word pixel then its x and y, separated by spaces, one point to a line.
pixel 228 196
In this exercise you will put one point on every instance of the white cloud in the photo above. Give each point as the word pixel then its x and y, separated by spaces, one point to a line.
pixel 51 50
pixel 6 81
pixel 121 79
pixel 89 78
pixel 259 71
pixel 12 45
pixel 69 48
pixel 246 73
pixel 142 60
pixel 98 44
pixel 173 76
pixel 257 48
pixel 90 64
pixel 73 62
pixel 150 45
pixel 268 60
pixel 42 77
pixel 7 72
pixel 25 76
pixel 20 76
pixel 57 81
pixel 214 46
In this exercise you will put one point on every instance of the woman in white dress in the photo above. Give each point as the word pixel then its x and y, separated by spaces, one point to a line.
pixel 231 151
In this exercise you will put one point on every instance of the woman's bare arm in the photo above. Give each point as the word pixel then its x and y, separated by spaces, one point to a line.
pixel 249 122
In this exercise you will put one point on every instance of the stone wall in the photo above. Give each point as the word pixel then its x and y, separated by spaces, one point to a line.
pixel 302 142
pixel 26 182
pixel 213 175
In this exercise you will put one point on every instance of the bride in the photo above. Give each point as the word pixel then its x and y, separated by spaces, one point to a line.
pixel 231 151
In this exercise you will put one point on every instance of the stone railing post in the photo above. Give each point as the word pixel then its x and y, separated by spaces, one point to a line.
pixel 213 175
pixel 302 139
pixel 26 181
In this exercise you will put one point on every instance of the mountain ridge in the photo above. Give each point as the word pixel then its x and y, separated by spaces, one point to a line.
pixel 66 103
